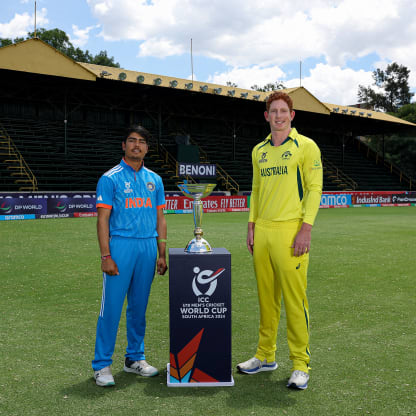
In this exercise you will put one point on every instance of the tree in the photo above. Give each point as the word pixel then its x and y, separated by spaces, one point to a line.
pixel 402 148
pixel 79 55
pixel 231 84
pixel 278 85
pixel 407 112
pixel 103 59
pixel 392 89
pixel 399 149
pixel 55 37
pixel 59 40
pixel 5 42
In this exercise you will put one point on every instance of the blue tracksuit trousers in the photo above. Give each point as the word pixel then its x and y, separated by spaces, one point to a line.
pixel 135 259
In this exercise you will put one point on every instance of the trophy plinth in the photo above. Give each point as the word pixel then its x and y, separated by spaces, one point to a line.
pixel 197 191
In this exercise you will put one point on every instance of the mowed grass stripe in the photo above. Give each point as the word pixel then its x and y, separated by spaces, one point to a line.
pixel 362 315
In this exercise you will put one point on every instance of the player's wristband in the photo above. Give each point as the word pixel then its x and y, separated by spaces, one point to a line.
pixel 162 240
pixel 108 256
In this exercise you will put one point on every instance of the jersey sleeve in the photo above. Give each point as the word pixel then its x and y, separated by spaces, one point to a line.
pixel 312 173
pixel 105 193
pixel 254 188
pixel 160 195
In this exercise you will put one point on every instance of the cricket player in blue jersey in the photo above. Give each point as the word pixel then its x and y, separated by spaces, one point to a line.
pixel 131 230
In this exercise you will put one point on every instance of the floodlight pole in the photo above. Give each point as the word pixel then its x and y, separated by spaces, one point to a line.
pixel 35 19
pixel 192 63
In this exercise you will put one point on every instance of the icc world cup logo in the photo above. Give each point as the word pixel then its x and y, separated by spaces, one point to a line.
pixel 205 280
pixel 61 206
pixel 5 208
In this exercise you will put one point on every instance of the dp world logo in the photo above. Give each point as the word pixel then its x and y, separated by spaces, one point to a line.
pixel 205 281
pixel 5 208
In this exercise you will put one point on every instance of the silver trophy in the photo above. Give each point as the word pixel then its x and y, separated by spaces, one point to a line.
pixel 197 191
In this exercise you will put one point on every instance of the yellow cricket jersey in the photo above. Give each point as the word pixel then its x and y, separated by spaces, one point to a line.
pixel 287 180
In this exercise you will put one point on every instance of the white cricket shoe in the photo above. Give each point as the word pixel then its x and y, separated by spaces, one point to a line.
pixel 103 377
pixel 254 365
pixel 142 368
pixel 298 380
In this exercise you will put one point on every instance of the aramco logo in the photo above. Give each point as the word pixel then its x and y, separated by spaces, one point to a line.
pixel 205 280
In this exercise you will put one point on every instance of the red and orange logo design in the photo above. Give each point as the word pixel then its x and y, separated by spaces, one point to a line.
pixel 182 365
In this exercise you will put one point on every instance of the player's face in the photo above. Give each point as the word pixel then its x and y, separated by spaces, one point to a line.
pixel 135 147
pixel 279 116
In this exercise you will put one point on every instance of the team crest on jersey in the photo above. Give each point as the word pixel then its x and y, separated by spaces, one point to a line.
pixel 263 158
pixel 317 164
pixel 286 155
pixel 150 186
pixel 128 190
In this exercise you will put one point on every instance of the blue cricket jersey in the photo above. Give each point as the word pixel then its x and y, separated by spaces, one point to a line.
pixel 133 197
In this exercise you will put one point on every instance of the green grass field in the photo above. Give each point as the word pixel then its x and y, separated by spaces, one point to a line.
pixel 362 307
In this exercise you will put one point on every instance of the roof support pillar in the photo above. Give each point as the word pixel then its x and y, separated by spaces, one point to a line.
pixel 343 149
pixel 65 121
pixel 159 124
pixel 384 149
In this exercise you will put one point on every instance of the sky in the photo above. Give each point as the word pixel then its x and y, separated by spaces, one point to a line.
pixel 329 47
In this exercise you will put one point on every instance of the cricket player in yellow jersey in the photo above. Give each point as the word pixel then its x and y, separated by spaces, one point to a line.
pixel 286 193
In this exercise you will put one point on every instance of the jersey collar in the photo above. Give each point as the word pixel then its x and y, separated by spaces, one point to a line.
pixel 292 136
pixel 126 165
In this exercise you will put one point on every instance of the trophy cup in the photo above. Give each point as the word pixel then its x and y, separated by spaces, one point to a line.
pixel 197 191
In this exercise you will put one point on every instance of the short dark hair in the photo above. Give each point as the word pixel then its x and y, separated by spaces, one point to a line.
pixel 136 128
pixel 279 95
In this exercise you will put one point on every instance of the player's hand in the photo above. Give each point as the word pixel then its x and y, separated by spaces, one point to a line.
pixel 161 266
pixel 302 243
pixel 250 238
pixel 109 267
pixel 250 243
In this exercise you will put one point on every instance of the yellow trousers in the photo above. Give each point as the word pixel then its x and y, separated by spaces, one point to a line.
pixel 279 272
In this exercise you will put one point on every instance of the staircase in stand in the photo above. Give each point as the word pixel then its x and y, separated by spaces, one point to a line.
pixel 13 167
pixel 335 179
pixel 223 176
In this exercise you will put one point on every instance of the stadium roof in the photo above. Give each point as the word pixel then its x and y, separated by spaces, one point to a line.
pixel 302 98
pixel 365 113
pixel 36 56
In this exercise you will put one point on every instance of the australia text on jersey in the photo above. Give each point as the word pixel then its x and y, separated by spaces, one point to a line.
pixel 273 171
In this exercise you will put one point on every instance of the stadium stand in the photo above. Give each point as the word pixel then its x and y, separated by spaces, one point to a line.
pixel 66 120
pixel 364 172
pixel 351 172
pixel 73 158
